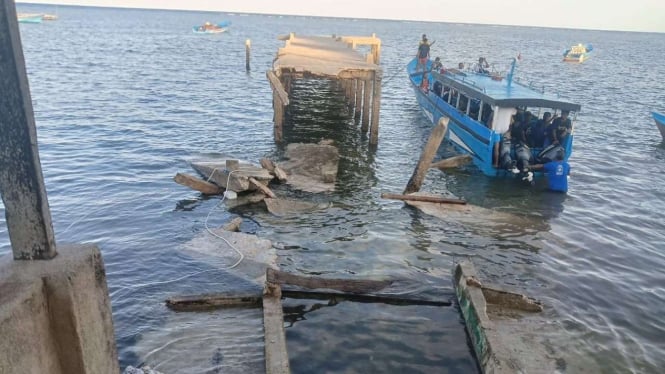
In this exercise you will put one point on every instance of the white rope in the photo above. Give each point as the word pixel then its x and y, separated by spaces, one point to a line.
pixel 242 257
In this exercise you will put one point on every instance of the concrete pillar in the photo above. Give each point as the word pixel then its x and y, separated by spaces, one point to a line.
pixel 367 105
pixel 55 316
pixel 21 181
pixel 359 97
pixel 376 105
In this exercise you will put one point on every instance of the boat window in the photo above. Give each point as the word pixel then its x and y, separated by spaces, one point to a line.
pixel 474 108
pixel 463 104
pixel 487 114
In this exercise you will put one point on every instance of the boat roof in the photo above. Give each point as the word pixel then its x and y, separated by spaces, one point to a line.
pixel 497 92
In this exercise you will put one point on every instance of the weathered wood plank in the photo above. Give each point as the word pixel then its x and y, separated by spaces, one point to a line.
pixel 197 184
pixel 267 164
pixel 277 357
pixel 262 188
pixel 280 174
pixel 344 285
pixel 427 156
pixel 427 199
pixel 452 162
pixel 217 172
pixel 277 87
pixel 214 301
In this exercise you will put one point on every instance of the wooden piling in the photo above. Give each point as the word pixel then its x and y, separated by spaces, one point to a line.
pixel 277 357
pixel 367 105
pixel 359 98
pixel 376 106
pixel 427 156
pixel 21 181
pixel 248 46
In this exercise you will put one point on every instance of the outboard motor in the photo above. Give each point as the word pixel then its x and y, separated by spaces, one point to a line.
pixel 523 156
pixel 551 153
pixel 505 160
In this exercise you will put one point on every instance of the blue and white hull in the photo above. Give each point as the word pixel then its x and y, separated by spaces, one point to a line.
pixel 660 123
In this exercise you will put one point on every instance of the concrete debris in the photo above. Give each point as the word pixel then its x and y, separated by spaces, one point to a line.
pixel 311 167
pixel 283 207
pixel 143 370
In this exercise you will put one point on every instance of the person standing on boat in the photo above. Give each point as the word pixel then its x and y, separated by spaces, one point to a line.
pixel 561 128
pixel 423 54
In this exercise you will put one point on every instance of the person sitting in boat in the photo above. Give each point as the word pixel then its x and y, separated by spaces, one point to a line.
pixel 437 65
pixel 560 129
pixel 423 54
pixel 537 131
pixel 424 84
pixel 483 66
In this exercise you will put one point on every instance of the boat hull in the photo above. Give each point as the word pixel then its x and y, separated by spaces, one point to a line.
pixel 30 19
pixel 465 134
pixel 660 123
pixel 212 31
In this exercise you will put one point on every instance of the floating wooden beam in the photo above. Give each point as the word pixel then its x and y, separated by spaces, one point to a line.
pixel 427 156
pixel 277 357
pixel 197 184
pixel 452 162
pixel 427 199
pixel 344 285
pixel 214 301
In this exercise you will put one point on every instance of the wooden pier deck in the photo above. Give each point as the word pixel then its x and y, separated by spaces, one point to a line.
pixel 335 58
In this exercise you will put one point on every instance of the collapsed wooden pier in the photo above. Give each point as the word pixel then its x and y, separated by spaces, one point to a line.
pixel 334 58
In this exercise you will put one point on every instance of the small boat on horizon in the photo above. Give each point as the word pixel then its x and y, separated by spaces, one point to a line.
pixel 30 18
pixel 660 123
pixel 481 108
pixel 210 28
pixel 578 53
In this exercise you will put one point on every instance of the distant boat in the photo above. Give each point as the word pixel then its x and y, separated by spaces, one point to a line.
pixel 660 123
pixel 50 17
pixel 209 28
pixel 30 18
pixel 578 53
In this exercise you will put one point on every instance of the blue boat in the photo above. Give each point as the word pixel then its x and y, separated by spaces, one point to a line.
pixel 209 28
pixel 578 53
pixel 480 107
pixel 660 123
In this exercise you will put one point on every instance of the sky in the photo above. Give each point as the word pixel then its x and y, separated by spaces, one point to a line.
pixel 634 15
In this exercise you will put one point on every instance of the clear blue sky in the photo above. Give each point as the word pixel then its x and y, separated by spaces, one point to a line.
pixel 635 15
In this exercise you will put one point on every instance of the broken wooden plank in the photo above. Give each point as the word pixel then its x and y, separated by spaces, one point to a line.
pixel 262 188
pixel 213 301
pixel 277 87
pixel 197 184
pixel 452 162
pixel 427 156
pixel 234 225
pixel 280 174
pixel 344 285
pixel 254 299
pixel 427 199
pixel 267 164
pixel 511 300
pixel 277 357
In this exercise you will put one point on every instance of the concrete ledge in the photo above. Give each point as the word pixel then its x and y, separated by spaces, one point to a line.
pixel 76 298
pixel 27 342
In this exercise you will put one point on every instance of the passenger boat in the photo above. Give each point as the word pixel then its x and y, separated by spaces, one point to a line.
pixel 209 28
pixel 578 53
pixel 480 108
pixel 30 18
pixel 660 123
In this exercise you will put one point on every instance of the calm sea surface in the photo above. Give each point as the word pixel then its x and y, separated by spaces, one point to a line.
pixel 125 99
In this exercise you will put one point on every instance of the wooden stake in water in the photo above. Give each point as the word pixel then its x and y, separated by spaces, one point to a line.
pixel 248 46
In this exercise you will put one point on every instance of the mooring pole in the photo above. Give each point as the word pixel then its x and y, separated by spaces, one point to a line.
pixel 248 47
pixel 21 181
pixel 427 156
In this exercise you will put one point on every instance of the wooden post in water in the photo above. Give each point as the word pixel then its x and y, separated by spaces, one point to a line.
pixel 21 180
pixel 367 105
pixel 359 98
pixel 376 106
pixel 248 47
pixel 427 156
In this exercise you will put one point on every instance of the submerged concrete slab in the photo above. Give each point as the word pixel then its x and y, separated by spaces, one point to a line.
pixel 311 167
pixel 79 311
pixel 504 340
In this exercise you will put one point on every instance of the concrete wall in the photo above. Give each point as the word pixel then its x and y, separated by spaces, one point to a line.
pixel 55 315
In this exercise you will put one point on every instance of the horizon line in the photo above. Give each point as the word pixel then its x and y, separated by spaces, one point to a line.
pixel 335 17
